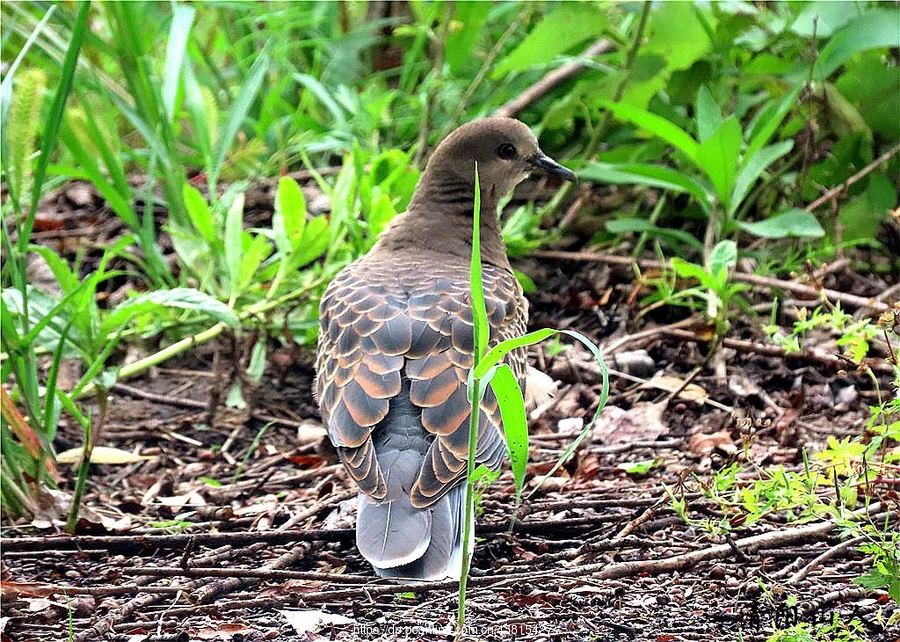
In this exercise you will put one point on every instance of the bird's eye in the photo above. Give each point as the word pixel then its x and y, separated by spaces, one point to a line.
pixel 506 151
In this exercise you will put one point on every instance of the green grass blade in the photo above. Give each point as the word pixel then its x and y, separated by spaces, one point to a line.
pixel 657 125
pixel 515 425
pixel 54 118
pixel 244 98
pixel 476 286
pixel 601 404
pixel 496 354
pixel 179 31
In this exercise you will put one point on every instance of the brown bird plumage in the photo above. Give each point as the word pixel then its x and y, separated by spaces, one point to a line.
pixel 395 348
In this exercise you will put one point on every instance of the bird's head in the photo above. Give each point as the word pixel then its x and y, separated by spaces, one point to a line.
pixel 506 151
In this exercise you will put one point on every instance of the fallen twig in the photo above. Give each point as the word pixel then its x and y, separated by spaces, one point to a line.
pixel 830 194
pixel 551 80
pixel 753 279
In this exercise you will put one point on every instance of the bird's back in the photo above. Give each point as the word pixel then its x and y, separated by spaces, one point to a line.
pixel 395 349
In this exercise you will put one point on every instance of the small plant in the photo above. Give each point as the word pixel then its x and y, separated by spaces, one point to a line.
pixel 836 629
pixel 488 369
pixel 714 288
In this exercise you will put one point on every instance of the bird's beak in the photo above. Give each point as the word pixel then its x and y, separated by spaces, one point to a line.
pixel 546 164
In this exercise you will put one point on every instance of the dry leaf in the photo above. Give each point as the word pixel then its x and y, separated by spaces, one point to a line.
pixel 641 423
pixel 311 621
pixel 102 455
pixel 669 383
pixel 703 444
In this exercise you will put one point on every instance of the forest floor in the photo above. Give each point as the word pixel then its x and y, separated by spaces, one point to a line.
pixel 237 525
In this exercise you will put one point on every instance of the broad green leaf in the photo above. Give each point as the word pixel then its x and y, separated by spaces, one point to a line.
pixel 753 168
pixel 643 174
pixel 290 208
pixel 722 258
pixel 656 125
pixel 179 32
pixel 709 116
pixel 467 29
pixel 679 32
pixel 528 286
pixel 822 19
pixel 199 213
pixel 316 238
pixel 256 250
pixel 769 120
pixel 794 222
pixel 515 427
pixel 872 85
pixel 183 298
pixel 864 213
pixel 843 116
pixel 568 24
pixel 874 29
pixel 718 157
pixel 688 270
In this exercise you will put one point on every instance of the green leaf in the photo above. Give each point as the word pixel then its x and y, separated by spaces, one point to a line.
pixel 243 99
pixel 316 239
pixel 752 169
pixel 199 213
pixel 718 157
pixel 688 270
pixel 179 31
pixel 290 210
pixel 769 120
pixel 722 258
pixel 625 225
pixel 637 467
pixel 515 427
pixel 569 24
pixel 476 288
pixel 469 19
pixel 864 213
pixel 234 242
pixel 643 174
pixel 499 351
pixel 709 116
pixel 54 116
pixel 822 19
pixel 656 125
pixel 319 90
pixel 794 222
pixel 874 29
pixel 679 32
pixel 183 298
pixel 252 256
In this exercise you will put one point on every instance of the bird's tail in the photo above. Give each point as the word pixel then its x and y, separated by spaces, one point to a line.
pixel 401 541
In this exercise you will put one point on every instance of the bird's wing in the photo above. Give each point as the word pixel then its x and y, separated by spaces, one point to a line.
pixel 438 377
pixel 364 337
pixel 381 325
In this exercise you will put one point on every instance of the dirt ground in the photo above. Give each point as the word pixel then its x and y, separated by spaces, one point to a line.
pixel 237 524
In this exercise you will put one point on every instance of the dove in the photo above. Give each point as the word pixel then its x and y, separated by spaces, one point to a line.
pixel 396 345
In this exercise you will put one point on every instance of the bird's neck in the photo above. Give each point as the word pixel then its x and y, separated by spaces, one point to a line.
pixel 439 218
